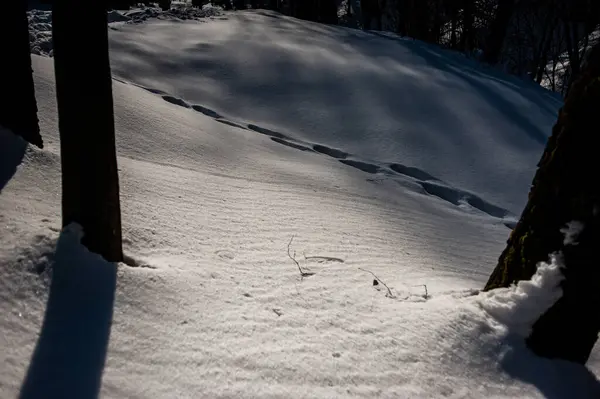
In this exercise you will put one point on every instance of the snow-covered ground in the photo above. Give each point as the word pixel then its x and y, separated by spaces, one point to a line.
pixel 377 155
pixel 40 21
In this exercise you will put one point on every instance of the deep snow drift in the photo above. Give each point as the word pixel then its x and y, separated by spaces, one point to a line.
pixel 223 157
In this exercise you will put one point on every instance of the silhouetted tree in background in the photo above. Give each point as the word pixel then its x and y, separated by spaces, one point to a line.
pixel 498 29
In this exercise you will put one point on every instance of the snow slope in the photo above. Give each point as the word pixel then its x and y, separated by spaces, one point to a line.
pixel 213 188
pixel 380 97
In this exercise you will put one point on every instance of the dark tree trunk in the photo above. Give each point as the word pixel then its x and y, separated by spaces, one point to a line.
pixel 90 185
pixel 119 4
pixel 453 26
pixel 467 37
pixel 495 40
pixel 274 5
pixel 305 9
pixel 420 20
pixel 370 13
pixel 365 13
pixel 164 4
pixel 436 29
pixel 18 109
pixel 572 41
pixel 402 6
pixel 540 58
pixel 564 189
pixel 327 12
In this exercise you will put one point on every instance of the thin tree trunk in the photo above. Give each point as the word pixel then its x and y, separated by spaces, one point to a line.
pixel 366 13
pixel 466 40
pixel 564 190
pixel 544 56
pixel 495 40
pixel 18 108
pixel 327 11
pixel 453 24
pixel 90 185
pixel 539 50
pixel 403 15
pixel 435 33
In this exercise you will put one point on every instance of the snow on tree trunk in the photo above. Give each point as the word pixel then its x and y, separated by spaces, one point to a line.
pixel 564 190
pixel 90 186
pixel 18 109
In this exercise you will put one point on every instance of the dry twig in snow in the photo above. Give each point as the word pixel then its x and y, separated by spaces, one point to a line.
pixel 389 291
pixel 293 258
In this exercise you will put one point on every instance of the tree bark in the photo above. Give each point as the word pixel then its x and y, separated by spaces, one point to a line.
pixel 420 20
pixel 90 185
pixel 453 25
pixel 466 39
pixel 498 30
pixel 274 5
pixel 370 12
pixel 564 189
pixel 18 108
pixel 327 12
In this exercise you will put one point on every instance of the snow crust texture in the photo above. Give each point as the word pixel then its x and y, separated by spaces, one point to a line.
pixel 377 155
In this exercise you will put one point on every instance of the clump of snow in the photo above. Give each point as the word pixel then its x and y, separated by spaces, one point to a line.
pixel 572 231
pixel 212 10
pixel 116 16
pixel 177 12
pixel 516 308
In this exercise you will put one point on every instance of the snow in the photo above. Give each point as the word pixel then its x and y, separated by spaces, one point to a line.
pixel 379 97
pixel 403 164
pixel 572 231
pixel 40 21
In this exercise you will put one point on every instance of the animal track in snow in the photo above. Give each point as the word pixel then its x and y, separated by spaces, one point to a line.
pixel 230 123
pixel 413 172
pixel 290 144
pixel 176 101
pixel 332 152
pixel 206 111
pixel 364 166
pixel 430 184
pixel 456 196
pixel 225 254
pixel 267 132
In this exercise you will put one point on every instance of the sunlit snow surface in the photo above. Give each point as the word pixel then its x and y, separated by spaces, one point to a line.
pixel 238 133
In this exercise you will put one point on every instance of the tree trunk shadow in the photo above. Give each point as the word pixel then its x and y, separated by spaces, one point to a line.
pixel 69 357
pixel 12 151
pixel 554 378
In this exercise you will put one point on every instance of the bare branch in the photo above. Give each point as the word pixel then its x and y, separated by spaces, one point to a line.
pixel 389 291
pixel 293 258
